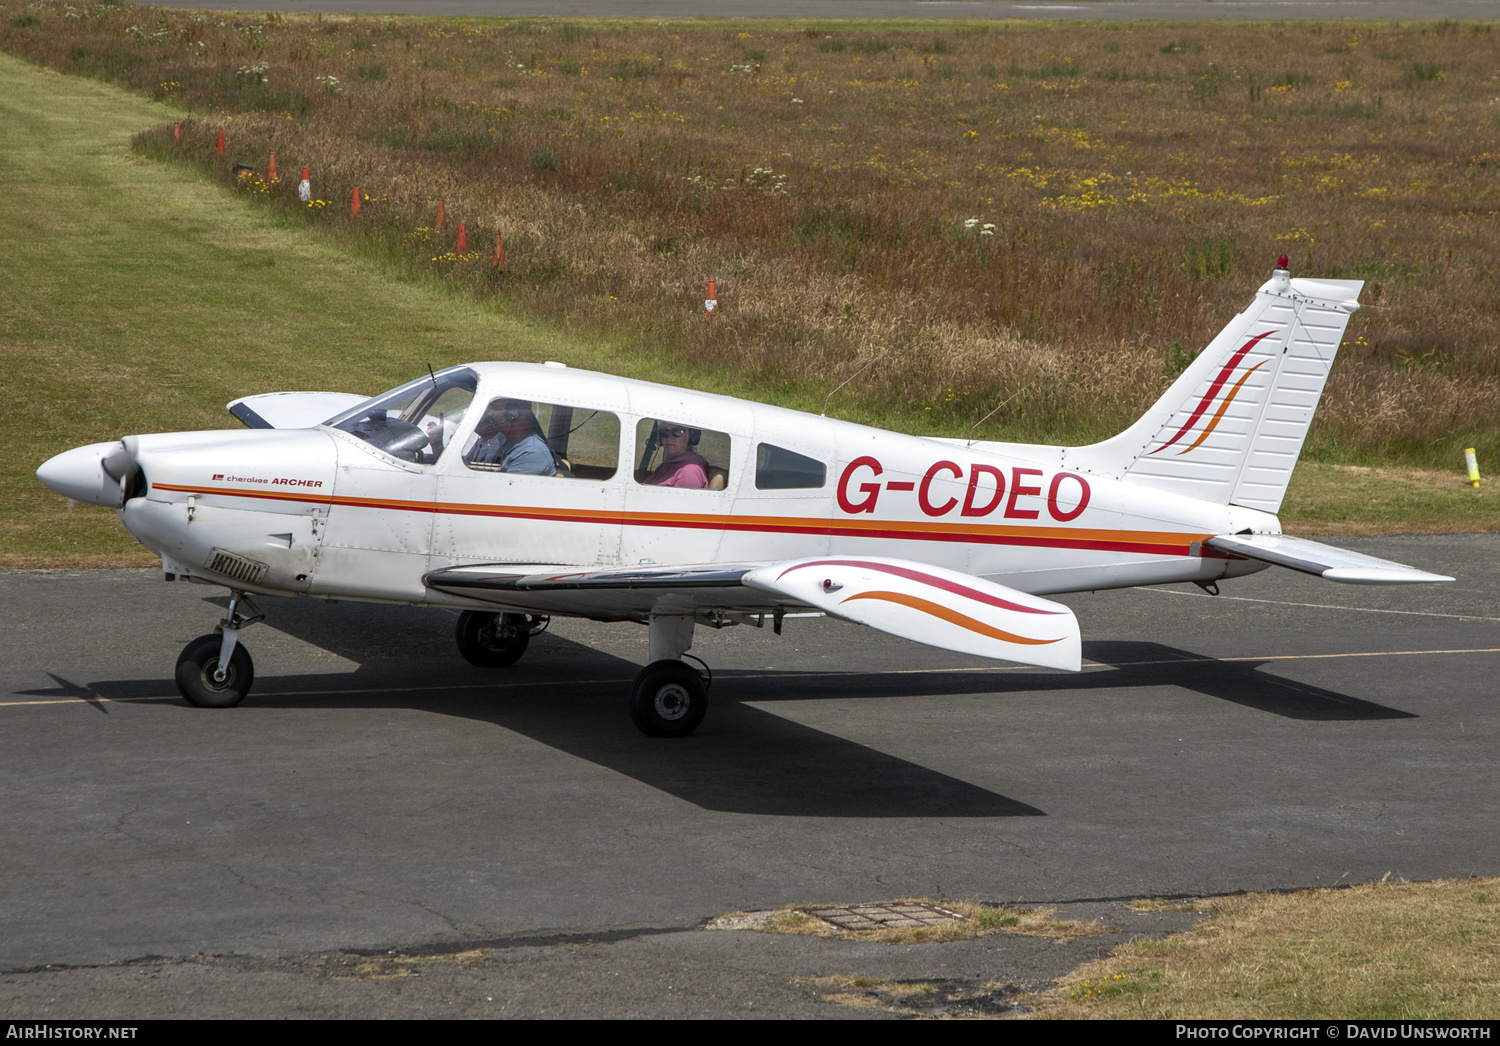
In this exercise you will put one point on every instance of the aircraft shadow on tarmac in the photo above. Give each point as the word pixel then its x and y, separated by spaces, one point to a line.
pixel 745 759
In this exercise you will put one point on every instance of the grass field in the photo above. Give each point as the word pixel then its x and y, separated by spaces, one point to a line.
pixel 136 296
pixel 1058 215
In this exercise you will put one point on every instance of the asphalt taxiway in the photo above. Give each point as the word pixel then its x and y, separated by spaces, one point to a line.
pixel 375 793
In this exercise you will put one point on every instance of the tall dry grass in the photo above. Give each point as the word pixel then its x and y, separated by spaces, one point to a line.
pixel 1057 215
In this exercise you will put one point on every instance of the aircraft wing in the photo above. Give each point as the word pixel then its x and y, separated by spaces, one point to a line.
pixel 1312 557
pixel 291 410
pixel 932 605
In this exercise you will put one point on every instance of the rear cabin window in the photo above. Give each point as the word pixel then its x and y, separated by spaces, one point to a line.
pixel 777 468
pixel 672 454
pixel 532 438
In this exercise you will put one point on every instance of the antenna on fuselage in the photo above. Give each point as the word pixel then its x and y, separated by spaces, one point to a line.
pixel 847 380
pixel 433 376
pixel 992 413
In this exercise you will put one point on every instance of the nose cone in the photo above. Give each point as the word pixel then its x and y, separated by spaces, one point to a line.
pixel 85 473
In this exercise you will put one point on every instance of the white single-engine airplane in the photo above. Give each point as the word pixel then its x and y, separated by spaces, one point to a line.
pixel 515 491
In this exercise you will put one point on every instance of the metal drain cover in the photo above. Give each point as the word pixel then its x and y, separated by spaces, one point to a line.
pixel 903 915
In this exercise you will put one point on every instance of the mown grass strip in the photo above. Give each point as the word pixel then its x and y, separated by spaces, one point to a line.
pixel 136 297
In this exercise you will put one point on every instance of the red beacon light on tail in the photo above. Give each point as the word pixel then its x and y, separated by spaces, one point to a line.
pixel 1281 263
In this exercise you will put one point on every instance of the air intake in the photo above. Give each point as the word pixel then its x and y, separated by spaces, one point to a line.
pixel 236 567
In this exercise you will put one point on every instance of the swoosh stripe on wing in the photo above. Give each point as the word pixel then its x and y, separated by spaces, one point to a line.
pixel 953 617
pixel 926 579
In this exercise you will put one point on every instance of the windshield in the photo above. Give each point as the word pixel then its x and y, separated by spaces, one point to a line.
pixel 415 421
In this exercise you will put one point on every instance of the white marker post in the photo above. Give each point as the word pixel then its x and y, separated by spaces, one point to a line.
pixel 1473 463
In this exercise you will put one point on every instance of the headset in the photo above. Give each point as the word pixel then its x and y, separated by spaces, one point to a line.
pixel 513 410
pixel 653 441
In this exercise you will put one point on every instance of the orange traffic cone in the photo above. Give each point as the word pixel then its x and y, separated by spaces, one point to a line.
pixel 711 301
pixel 442 215
pixel 176 133
pixel 354 204
pixel 498 261
pixel 462 246
pixel 271 169
pixel 220 148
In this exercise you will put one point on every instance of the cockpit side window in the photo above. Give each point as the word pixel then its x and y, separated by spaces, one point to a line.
pixel 415 421
pixel 672 454
pixel 526 437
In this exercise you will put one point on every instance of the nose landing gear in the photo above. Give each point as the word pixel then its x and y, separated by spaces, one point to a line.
pixel 215 671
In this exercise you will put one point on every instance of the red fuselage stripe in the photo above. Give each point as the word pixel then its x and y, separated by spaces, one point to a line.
pixel 1140 542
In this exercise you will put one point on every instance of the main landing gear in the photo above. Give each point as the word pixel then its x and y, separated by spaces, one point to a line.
pixel 496 640
pixel 669 698
pixel 215 671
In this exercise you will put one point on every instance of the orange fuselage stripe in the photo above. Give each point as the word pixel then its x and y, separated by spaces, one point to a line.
pixel 1146 542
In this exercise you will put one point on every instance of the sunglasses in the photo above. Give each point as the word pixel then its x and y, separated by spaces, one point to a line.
pixel 673 433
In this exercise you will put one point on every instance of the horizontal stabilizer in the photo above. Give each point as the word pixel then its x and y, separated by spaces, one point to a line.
pixel 291 410
pixel 1312 557
pixel 931 605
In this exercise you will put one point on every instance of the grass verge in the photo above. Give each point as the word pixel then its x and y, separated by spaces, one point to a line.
pixel 1347 500
pixel 1384 951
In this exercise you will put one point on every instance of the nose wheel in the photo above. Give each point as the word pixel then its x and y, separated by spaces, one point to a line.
pixel 215 671
pixel 200 681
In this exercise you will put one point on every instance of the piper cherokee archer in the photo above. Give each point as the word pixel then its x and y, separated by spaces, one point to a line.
pixel 516 492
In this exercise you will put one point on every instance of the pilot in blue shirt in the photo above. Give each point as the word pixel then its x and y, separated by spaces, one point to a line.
pixel 511 438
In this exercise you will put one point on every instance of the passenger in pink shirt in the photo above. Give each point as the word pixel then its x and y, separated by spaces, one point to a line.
pixel 681 466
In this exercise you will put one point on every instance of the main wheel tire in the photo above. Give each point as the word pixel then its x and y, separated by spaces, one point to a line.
pixel 668 699
pixel 199 662
pixel 492 640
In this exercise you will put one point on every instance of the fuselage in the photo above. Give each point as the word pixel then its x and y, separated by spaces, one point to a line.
pixel 327 512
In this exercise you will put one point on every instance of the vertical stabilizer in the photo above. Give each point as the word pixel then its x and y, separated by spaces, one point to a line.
pixel 1230 428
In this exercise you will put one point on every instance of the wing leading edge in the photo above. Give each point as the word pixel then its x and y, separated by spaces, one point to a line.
pixel 932 605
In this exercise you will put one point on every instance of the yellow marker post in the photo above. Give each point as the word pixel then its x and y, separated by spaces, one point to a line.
pixel 1473 464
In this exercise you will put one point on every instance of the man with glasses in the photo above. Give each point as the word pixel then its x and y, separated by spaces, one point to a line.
pixel 681 465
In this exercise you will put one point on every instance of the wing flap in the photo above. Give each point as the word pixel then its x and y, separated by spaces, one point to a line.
pixel 609 592
pixel 1313 557
pixel 932 605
